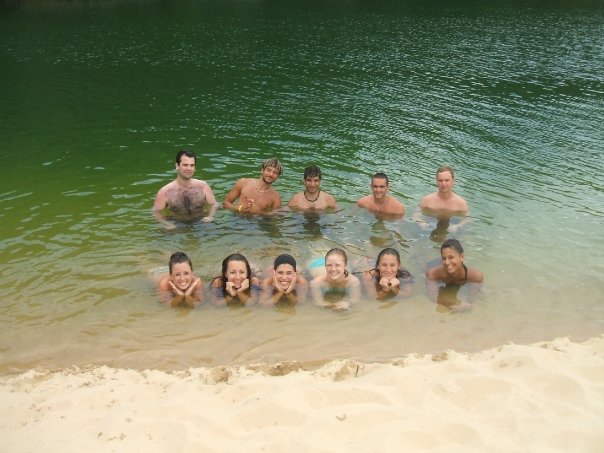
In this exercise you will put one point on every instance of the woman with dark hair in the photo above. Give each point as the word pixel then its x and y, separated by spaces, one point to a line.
pixel 387 279
pixel 181 286
pixel 452 273
pixel 235 283
pixel 286 285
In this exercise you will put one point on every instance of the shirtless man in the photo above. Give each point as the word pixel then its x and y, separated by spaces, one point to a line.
pixel 379 201
pixel 444 203
pixel 184 196
pixel 256 195
pixel 312 198
pixel 444 199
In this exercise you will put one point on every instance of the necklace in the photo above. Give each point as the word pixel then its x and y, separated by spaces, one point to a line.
pixel 261 191
pixel 316 198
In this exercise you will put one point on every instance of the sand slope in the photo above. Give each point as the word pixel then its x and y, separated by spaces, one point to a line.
pixel 544 397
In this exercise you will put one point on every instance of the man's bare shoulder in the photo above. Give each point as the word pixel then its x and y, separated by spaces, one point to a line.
pixel 296 200
pixel 167 187
pixel 199 183
pixel 331 200
pixel 428 200
pixel 435 202
pixel 366 201
pixel 395 206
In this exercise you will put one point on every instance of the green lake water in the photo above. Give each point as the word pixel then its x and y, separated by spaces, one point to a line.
pixel 97 97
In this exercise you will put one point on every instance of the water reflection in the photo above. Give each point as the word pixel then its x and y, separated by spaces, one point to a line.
pixel 440 223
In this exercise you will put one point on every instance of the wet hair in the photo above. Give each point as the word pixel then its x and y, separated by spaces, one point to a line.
pixel 185 152
pixel 400 273
pixel 340 252
pixel 273 162
pixel 312 171
pixel 380 175
pixel 179 257
pixel 225 264
pixel 284 259
pixel 452 244
pixel 445 168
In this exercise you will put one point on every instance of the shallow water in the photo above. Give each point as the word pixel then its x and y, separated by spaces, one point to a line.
pixel 96 98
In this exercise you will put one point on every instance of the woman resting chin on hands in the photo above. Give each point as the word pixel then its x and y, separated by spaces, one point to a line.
pixel 234 285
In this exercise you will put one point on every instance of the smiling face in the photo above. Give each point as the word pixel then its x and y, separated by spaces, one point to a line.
pixel 379 187
pixel 312 184
pixel 284 275
pixel 269 175
pixel 236 273
pixel 186 167
pixel 388 266
pixel 452 260
pixel 335 265
pixel 182 275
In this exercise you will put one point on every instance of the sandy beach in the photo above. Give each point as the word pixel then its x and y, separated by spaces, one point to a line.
pixel 547 396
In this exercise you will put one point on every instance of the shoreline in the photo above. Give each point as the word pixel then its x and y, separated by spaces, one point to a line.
pixel 546 395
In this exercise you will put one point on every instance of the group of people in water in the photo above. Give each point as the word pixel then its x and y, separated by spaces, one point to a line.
pixel 326 281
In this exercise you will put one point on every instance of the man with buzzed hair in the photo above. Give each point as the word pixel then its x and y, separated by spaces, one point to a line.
pixel 379 201
pixel 312 198
pixel 256 195
pixel 185 196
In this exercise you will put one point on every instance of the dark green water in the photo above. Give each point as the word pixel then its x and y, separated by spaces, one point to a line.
pixel 97 97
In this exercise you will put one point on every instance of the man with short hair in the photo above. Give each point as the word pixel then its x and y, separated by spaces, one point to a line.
pixel 443 205
pixel 185 196
pixel 312 197
pixel 444 199
pixel 256 195
pixel 379 201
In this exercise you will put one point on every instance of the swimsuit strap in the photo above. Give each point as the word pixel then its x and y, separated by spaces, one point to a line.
pixel 465 268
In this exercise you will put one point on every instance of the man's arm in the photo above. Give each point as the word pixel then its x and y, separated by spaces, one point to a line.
pixel 233 195
pixel 294 202
pixel 211 200
pixel 331 201
pixel 276 201
pixel 158 206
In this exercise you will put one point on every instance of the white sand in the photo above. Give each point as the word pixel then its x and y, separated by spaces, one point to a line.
pixel 544 397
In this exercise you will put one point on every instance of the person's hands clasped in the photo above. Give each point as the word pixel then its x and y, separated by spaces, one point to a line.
pixel 389 284
pixel 193 286
pixel 233 290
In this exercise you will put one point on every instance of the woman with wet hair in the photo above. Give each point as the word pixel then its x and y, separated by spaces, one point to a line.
pixel 452 274
pixel 236 284
pixel 180 287
pixel 388 279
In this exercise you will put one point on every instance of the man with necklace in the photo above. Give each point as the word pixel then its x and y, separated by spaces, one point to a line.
pixel 185 197
pixel 256 195
pixel 312 198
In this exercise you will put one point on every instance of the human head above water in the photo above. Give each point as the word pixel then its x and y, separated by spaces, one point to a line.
pixel 273 162
pixel 380 175
pixel 185 152
pixel 452 244
pixel 337 252
pixel 179 257
pixel 445 168
pixel 284 259
pixel 234 257
pixel 312 171
pixel 387 251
